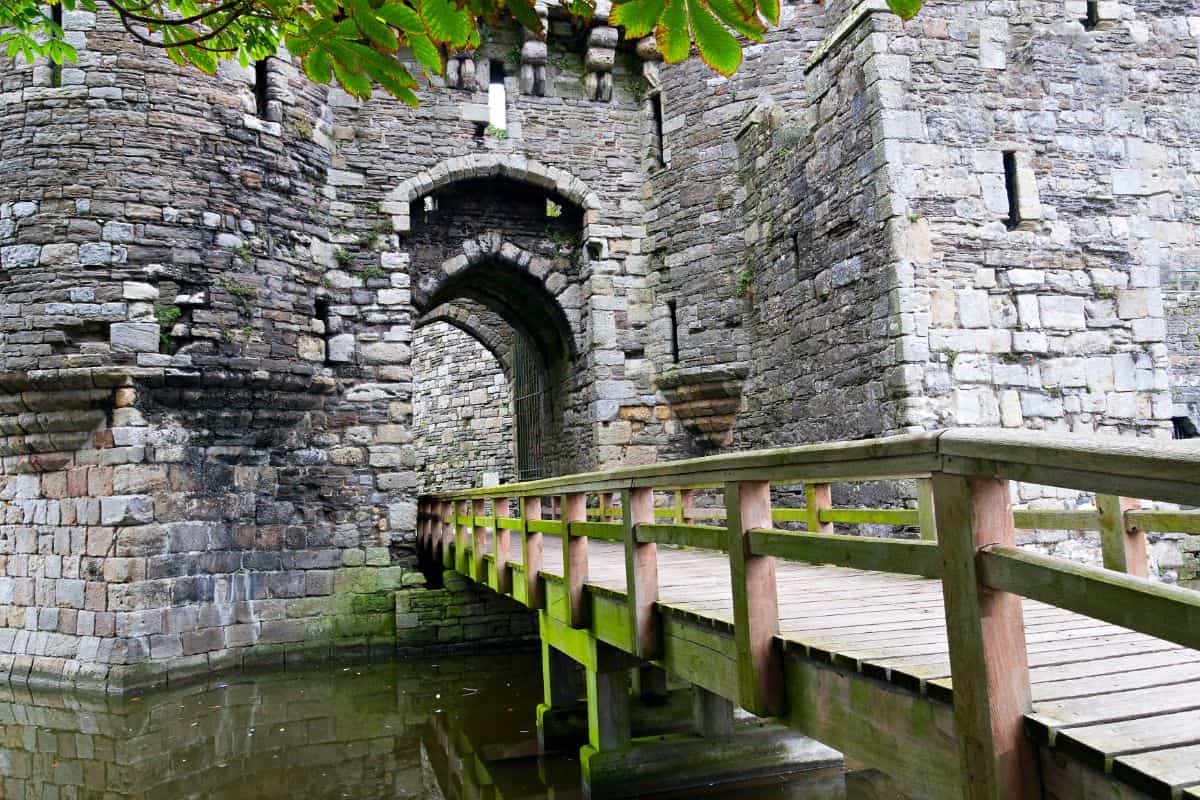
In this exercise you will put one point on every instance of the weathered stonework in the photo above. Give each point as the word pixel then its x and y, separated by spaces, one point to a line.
pixel 214 323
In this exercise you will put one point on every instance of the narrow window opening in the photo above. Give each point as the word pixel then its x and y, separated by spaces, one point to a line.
pixel 1011 188
pixel 674 331
pixel 322 312
pixel 658 143
pixel 261 81
pixel 497 102
pixel 1093 16
pixel 796 251
pixel 56 76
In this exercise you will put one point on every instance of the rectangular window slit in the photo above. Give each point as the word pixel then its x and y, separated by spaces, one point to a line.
pixel 796 250
pixel 1011 189
pixel 56 14
pixel 497 102
pixel 322 313
pixel 659 141
pixel 1093 16
pixel 261 82
pixel 674 331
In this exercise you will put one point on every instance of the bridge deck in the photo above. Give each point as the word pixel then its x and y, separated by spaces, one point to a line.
pixel 1117 700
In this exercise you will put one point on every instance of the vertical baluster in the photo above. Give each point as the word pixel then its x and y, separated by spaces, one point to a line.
pixel 606 507
pixel 435 532
pixel 755 604
pixel 462 532
pixel 925 513
pixel 575 558
pixel 448 529
pixel 641 573
pixel 1122 546
pixel 683 506
pixel 817 498
pixel 501 543
pixel 478 541
pixel 531 552
pixel 986 632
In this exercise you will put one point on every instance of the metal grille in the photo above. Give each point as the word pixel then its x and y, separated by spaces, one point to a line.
pixel 531 412
pixel 1183 282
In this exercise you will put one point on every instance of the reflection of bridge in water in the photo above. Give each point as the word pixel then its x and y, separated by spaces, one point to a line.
pixel 959 664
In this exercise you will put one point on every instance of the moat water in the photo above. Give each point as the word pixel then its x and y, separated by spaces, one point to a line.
pixel 450 728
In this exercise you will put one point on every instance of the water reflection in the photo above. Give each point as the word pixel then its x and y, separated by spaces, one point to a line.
pixel 436 729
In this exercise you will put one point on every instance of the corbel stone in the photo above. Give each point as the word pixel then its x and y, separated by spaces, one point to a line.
pixel 598 62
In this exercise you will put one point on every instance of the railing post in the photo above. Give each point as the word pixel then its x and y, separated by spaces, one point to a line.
pixel 478 542
pixel 986 632
pixel 925 514
pixel 1122 547
pixel 683 506
pixel 755 604
pixel 449 526
pixel 641 573
pixel 817 498
pixel 501 541
pixel 606 506
pixel 462 564
pixel 437 535
pixel 575 558
pixel 531 552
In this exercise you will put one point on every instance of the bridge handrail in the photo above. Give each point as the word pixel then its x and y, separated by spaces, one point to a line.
pixel 967 525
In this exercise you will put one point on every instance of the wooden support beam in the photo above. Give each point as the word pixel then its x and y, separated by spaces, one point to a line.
pixel 641 573
pixel 449 526
pixel 817 498
pixel 712 715
pixel 755 604
pixel 531 552
pixel 502 541
pixel 986 633
pixel 462 562
pixel 608 709
pixel 925 513
pixel 575 558
pixel 478 542
pixel 650 684
pixel 1122 546
pixel 606 506
pixel 684 501
pixel 562 684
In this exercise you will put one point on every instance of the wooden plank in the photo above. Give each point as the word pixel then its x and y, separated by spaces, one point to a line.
pixel 1154 470
pixel 641 573
pixel 870 516
pixel 531 552
pixel 1164 521
pixel 1119 706
pixel 575 558
pixel 604 531
pixel 508 524
pixel 700 536
pixel 818 497
pixel 502 545
pixel 755 609
pixel 986 633
pixel 1093 685
pixel 1056 520
pixel 1160 772
pixel 479 537
pixel 551 526
pixel 925 513
pixel 859 552
pixel 1123 549
pixel 1167 612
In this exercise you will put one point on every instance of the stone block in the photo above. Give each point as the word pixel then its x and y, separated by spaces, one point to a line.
pixel 137 337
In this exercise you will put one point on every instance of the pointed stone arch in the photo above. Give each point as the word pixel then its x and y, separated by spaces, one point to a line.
pixel 477 327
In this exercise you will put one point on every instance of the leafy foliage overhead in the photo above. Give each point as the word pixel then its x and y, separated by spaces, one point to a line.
pixel 361 44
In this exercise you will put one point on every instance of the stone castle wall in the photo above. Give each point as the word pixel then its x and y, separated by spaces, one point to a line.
pixel 462 413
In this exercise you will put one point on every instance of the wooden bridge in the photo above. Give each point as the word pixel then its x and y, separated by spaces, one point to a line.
pixel 957 663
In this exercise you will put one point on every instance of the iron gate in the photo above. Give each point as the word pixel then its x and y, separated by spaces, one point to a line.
pixel 531 412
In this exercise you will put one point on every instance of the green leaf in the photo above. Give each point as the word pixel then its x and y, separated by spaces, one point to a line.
pixel 637 17
pixel 582 10
pixel 427 53
pixel 352 80
pixel 905 9
pixel 729 13
pixel 316 66
pixel 375 30
pixel 445 23
pixel 402 17
pixel 672 33
pixel 525 13
pixel 718 47
pixel 769 10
